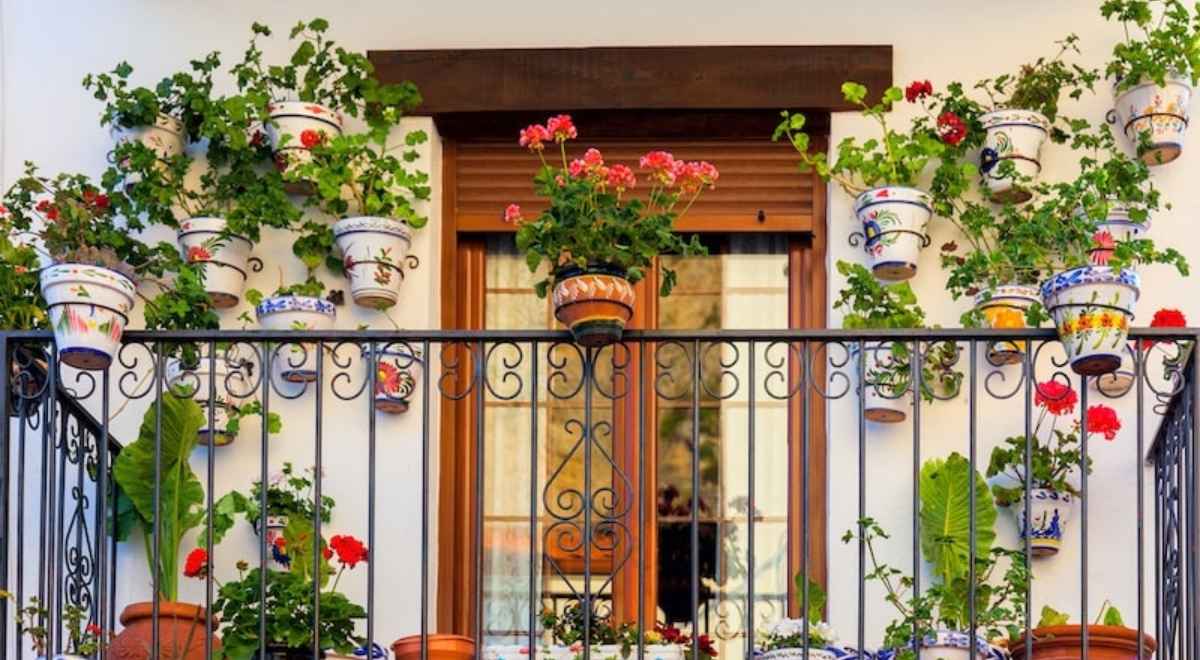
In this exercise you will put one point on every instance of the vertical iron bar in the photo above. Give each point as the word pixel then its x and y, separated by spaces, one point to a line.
pixel 102 468
pixel 1083 511
pixel 695 531
pixel 318 540
pixel 480 393
pixel 210 478
pixel 533 499
pixel 1030 382
pixel 46 572
pixel 804 522
pixel 588 373
pixel 1139 377
pixel 58 538
pixel 5 487
pixel 750 484
pixel 972 412
pixel 1192 544
pixel 914 367
pixel 156 536
pixel 862 494
pixel 21 444
pixel 426 376
pixel 641 498
pixel 266 377
pixel 373 358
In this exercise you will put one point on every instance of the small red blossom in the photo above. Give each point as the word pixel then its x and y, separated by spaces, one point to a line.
pixel 349 550
pixel 1103 420
pixel 533 136
pixel 706 646
pixel 919 89
pixel 42 206
pixel 621 178
pixel 3 210
pixel 310 138
pixel 101 201
pixel 951 128
pixel 593 157
pixel 512 214
pixel 1056 397
pixel 562 128
pixel 52 213
pixel 1165 318
pixel 198 253
pixel 661 165
pixel 327 553
pixel 257 138
pixel 93 630
pixel 577 168
pixel 196 564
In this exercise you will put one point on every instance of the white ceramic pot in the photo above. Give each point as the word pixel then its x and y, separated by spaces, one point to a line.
pixel 88 308
pixel 1116 228
pixel 1004 307
pixel 1049 513
pixel 1016 137
pixel 275 527
pixel 373 251
pixel 296 362
pixel 225 258
pixel 827 653
pixel 1159 112
pixel 294 127
pixel 599 652
pixel 396 378
pixel 894 220
pixel 951 645
pixel 883 402
pixel 166 138
pixel 228 375
pixel 1092 308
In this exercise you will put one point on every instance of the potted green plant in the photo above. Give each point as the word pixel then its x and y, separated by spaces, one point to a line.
pixel 881 174
pixel 1153 71
pixel 371 192
pixel 217 207
pixel 22 308
pixel 595 236
pixel 1108 638
pixel 887 378
pixel 180 508
pixel 936 623
pixel 303 101
pixel 163 118
pixel 1054 462
pixel 788 639
pixel 294 307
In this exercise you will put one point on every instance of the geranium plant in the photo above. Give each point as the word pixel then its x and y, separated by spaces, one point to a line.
pixel 185 95
pixel 790 633
pixel 594 219
pixel 22 307
pixel 1057 458
pixel 32 621
pixel 289 493
pixel 1162 39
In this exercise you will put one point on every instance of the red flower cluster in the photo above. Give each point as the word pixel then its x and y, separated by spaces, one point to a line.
pixel 512 214
pixel 533 136
pixel 951 128
pixel 196 565
pixel 1103 420
pixel 919 89
pixel 98 200
pixel 44 207
pixel 673 635
pixel 93 630
pixel 310 138
pixel 621 178
pixel 1057 398
pixel 562 128
pixel 1165 318
pixel 349 550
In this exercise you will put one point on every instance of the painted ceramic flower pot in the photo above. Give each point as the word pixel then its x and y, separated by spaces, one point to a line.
pixel 1159 113
pixel 1016 137
pixel 1092 308
pixel 441 647
pixel 826 653
pixel 180 632
pixel 951 645
pixel 225 258
pixel 1117 227
pixel 296 362
pixel 1066 643
pixel 229 374
pixel 1004 307
pixel 595 304
pixel 373 250
pixel 395 378
pixel 360 653
pixel 88 308
pixel 275 527
pixel 600 652
pixel 295 127
pixel 885 399
pixel 1048 517
pixel 166 138
pixel 894 220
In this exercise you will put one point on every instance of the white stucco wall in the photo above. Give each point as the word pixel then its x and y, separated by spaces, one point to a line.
pixel 47 117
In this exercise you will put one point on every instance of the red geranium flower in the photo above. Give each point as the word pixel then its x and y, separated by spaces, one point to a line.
pixel 512 214
pixel 1102 419
pixel 101 201
pixel 326 553
pixel 533 136
pixel 706 646
pixel 310 138
pixel 621 178
pixel 349 550
pixel 1054 396
pixel 593 158
pixel 1105 244
pixel 196 564
pixel 919 89
pixel 562 128
pixel 93 630
pixel 661 165
pixel 951 128
pixel 1165 318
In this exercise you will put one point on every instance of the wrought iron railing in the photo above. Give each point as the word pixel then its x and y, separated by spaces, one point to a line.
pixel 55 544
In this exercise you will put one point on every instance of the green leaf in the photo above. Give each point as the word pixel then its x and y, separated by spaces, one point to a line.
pixel 816 597
pixel 1112 617
pixel 1052 617
pixel 854 92
pixel 945 516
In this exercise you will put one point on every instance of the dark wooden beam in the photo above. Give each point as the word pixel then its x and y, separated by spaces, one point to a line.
pixel 628 124
pixel 644 78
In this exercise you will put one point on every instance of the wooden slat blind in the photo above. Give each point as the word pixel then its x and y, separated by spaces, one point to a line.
pixel 760 188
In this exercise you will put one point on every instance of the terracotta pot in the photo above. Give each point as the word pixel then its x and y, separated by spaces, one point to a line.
pixel 180 632
pixel 1065 643
pixel 595 304
pixel 441 647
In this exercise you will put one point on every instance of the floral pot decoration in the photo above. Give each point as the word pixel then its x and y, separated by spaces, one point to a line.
pixel 396 368
pixel 950 645
pixel 1173 355
pixel 1016 137
pixel 594 265
pixel 224 258
pixel 1154 117
pixel 294 362
pixel 165 137
pixel 373 251
pixel 1005 307
pixel 1092 307
pixel 1116 227
pixel 224 375
pixel 1048 517
pixel 894 221
pixel 89 308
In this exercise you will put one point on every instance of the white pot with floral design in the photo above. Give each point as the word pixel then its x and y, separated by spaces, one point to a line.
pixel 886 396
pixel 894 220
pixel 1004 307
pixel 396 373
pixel 373 251
pixel 1159 112
pixel 295 362
pixel 225 258
pixel 294 127
pixel 1049 513
pixel 166 137
pixel 88 308
pixel 275 527
pixel 825 653
pixel 226 375
pixel 1092 307
pixel 1016 137
pixel 951 645
pixel 598 652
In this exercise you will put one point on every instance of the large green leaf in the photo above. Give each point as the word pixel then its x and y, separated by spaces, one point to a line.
pixel 945 517
pixel 181 496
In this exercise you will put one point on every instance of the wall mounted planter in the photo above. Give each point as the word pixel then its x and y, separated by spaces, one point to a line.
pixel 396 377
pixel 225 258
pixel 166 138
pixel 1162 113
pixel 293 128
pixel 226 374
pixel 1014 136
pixel 1049 513
pixel 1092 307
pixel 826 653
pixel 894 219
pixel 88 308
pixel 1115 228
pixel 884 401
pixel 373 252
pixel 295 362
pixel 595 303
pixel 1004 307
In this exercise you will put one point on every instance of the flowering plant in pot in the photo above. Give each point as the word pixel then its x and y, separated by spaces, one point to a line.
pixel 179 510
pixel 887 379
pixel 564 638
pixel 217 207
pixel 787 639
pixel 596 237
pixel 881 174
pixel 372 194
pixel 939 617
pixel 1053 462
pixel 1108 637
pixel 294 307
pixel 302 102
pixel 1153 71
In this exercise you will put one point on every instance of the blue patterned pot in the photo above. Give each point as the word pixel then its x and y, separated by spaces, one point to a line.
pixel 1092 307
pixel 1049 514
pixel 1016 137
pixel 295 362
pixel 951 645
pixel 826 653
pixel 894 220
